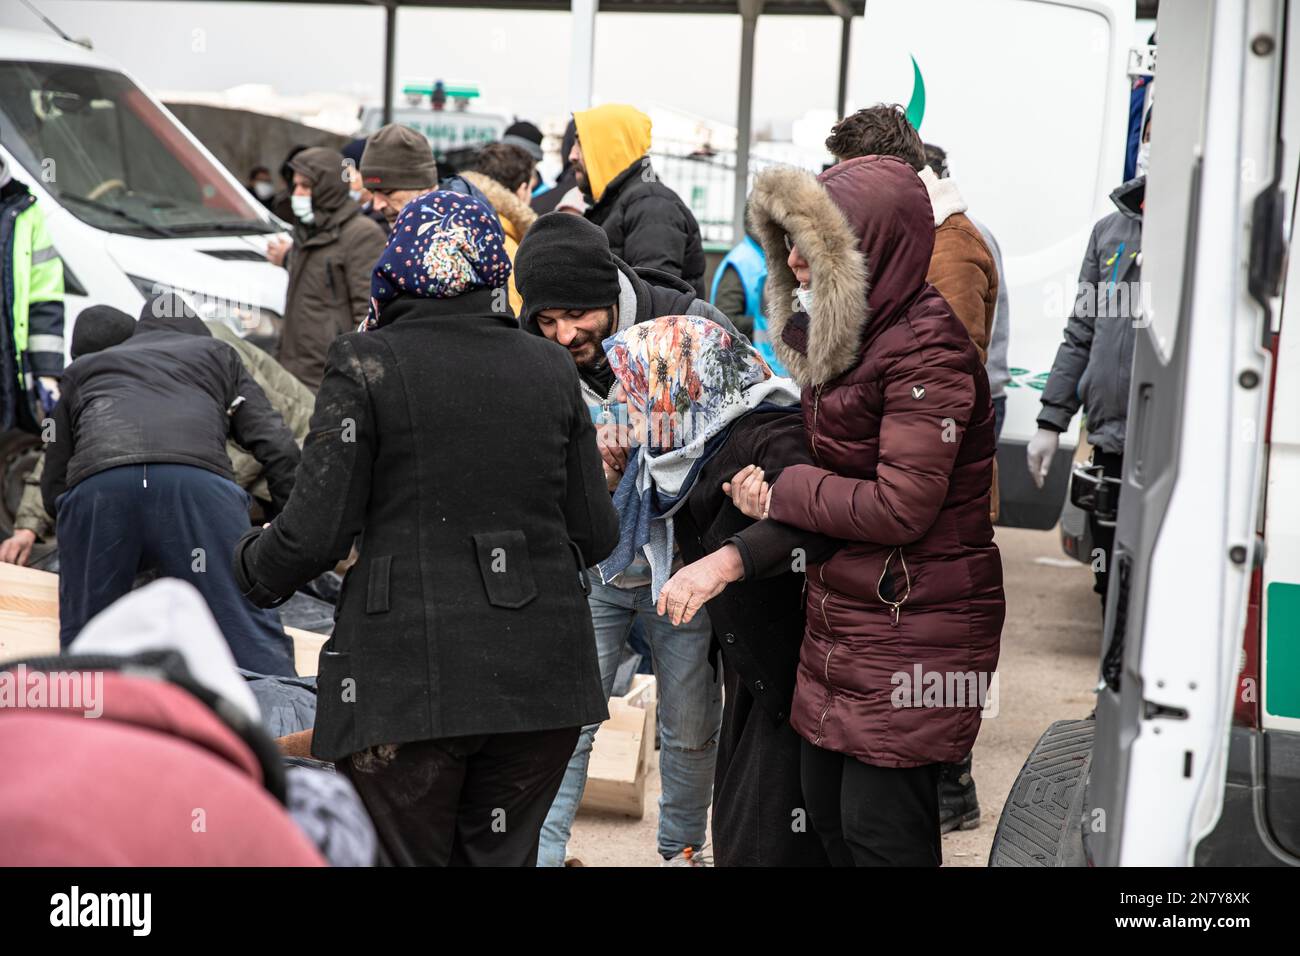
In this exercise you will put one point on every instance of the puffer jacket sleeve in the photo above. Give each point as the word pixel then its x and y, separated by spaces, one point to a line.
pixel 771 547
pixel 919 439
pixel 654 233
pixel 962 269
pixel 327 508
pixel 1061 394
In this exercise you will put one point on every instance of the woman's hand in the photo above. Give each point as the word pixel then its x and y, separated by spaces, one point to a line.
pixel 690 588
pixel 751 495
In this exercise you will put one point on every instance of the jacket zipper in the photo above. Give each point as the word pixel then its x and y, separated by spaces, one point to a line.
pixel 826 666
pixel 817 398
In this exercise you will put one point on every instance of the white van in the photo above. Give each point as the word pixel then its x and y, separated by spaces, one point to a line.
pixel 131 198
pixel 1193 754
pixel 134 203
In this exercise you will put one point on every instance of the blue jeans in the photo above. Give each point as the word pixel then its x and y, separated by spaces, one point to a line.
pixel 690 716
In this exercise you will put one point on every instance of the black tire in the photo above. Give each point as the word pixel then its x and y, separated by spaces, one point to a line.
pixel 1040 822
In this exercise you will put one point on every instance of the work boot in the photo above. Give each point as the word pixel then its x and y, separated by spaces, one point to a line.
pixel 959 809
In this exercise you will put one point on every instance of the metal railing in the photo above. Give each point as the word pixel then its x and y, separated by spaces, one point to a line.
pixel 705 179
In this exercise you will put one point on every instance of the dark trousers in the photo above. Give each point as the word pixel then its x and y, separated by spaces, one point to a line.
pixel 1103 536
pixel 872 816
pixel 183 522
pixel 462 801
pixel 759 813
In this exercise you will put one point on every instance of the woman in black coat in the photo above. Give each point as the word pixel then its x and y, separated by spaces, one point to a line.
pixel 457 453
pixel 704 406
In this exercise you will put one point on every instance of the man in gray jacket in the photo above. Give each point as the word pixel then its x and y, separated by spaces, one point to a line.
pixel 1094 363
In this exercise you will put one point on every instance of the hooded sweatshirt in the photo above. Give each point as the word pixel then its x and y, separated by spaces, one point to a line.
pixel 647 223
pixel 329 268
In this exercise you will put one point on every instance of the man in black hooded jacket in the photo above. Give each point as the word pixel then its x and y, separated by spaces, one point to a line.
pixel 137 475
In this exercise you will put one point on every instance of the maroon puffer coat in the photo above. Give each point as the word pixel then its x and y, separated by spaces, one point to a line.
pixel 904 622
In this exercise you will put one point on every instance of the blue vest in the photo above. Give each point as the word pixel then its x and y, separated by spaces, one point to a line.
pixel 751 265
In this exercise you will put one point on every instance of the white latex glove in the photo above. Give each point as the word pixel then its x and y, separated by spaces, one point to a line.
pixel 51 386
pixel 1042 447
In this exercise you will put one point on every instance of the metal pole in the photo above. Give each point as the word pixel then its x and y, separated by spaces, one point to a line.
pixel 582 53
pixel 749 12
pixel 390 46
pixel 842 98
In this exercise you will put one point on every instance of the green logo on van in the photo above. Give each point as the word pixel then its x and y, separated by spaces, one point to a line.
pixel 916 105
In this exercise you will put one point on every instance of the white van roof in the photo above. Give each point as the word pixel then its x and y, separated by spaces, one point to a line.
pixel 46 47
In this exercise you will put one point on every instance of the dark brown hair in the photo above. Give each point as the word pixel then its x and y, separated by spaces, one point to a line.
pixel 880 130
pixel 509 165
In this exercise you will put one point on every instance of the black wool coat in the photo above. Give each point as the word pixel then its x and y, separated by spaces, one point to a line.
pixel 758 622
pixel 457 451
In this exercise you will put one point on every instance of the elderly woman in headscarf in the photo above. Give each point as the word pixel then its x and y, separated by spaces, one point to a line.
pixel 458 455
pixel 703 405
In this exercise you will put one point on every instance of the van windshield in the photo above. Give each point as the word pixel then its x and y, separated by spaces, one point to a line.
pixel 111 157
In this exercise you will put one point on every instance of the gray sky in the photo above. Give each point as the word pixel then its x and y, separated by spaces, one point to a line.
pixel 519 61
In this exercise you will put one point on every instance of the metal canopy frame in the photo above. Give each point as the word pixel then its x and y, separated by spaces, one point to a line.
pixel 582 53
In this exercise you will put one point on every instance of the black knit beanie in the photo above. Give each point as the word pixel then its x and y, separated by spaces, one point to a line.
pixel 100 327
pixel 564 262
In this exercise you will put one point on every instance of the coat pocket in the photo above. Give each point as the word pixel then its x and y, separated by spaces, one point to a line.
pixel 377 601
pixel 334 736
pixel 506 569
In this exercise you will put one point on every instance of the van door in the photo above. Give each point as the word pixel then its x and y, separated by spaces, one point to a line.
pixel 1185 543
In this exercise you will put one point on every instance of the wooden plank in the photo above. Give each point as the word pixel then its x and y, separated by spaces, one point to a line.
pixel 29 620
pixel 29 612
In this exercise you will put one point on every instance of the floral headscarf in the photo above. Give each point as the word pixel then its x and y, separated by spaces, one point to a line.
pixel 691 379
pixel 443 244
pixel 681 372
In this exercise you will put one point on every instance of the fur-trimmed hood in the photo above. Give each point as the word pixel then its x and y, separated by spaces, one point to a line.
pixel 516 216
pixel 865 226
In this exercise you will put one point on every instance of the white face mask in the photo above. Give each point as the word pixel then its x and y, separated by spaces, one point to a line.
pixel 263 190
pixel 1143 158
pixel 354 195
pixel 302 208
pixel 805 297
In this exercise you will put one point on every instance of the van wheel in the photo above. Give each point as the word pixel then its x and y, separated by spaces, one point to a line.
pixel 18 454
pixel 1040 822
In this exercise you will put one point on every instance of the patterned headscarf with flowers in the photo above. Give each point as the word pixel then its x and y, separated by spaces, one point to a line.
pixel 688 379
pixel 442 245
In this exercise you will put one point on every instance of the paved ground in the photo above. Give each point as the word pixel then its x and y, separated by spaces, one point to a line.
pixel 1047 671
